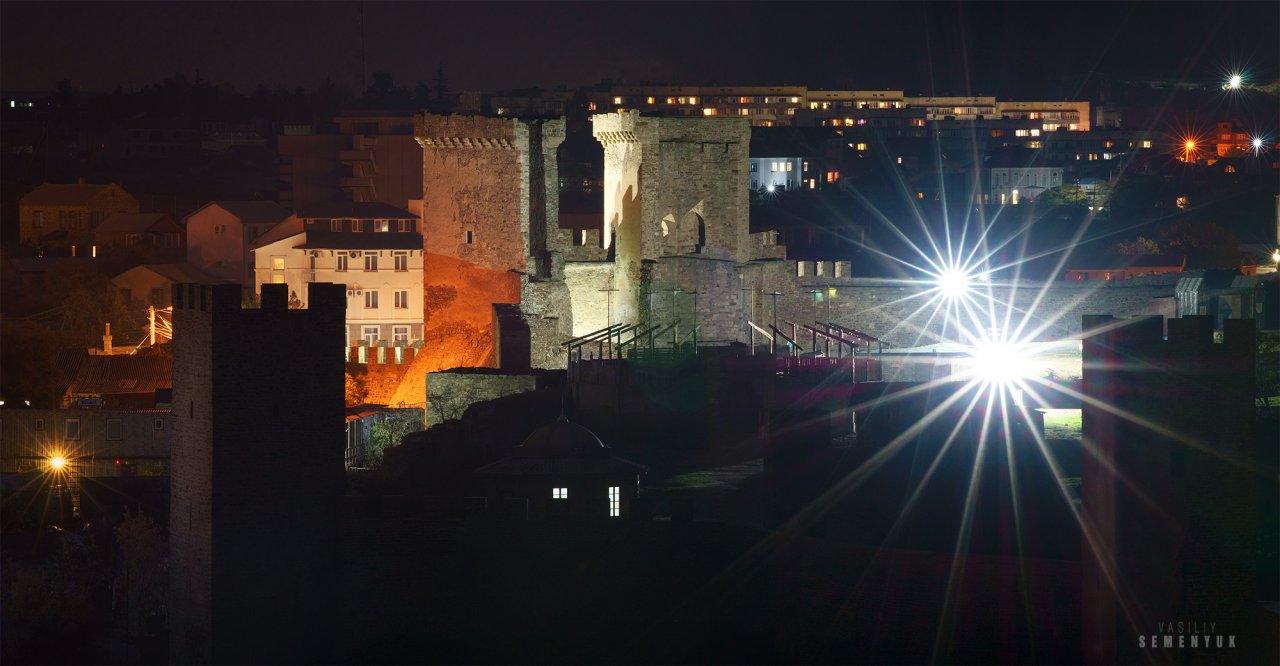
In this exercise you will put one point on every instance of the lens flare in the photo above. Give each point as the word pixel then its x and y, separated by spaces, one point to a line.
pixel 954 283
pixel 56 463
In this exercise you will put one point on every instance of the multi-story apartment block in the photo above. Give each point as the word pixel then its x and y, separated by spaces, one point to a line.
pixel 371 247
pixel 361 156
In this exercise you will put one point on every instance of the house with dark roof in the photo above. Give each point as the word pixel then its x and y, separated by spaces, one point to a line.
pixel 562 471
pixel 1013 175
pixel 220 236
pixel 152 284
pixel 118 381
pixel 62 217
pixel 151 235
pixel 373 248
pixel 1109 267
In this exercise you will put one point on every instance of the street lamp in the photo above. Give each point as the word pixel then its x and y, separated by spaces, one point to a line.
pixel 56 463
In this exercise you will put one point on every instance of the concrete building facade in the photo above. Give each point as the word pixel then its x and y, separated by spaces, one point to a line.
pixel 371 247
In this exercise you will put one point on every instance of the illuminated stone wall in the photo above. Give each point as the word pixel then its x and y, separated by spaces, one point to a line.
pixel 491 198
pixel 892 310
pixel 674 187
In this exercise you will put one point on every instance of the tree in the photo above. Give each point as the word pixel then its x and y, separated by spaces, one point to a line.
pixel 1205 244
pixel 387 432
pixel 142 576
pixel 384 93
pixel 356 389
pixel 1137 247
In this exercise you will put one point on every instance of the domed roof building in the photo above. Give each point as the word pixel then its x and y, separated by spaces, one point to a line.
pixel 562 471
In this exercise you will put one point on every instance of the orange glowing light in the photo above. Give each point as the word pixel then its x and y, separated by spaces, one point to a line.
pixel 56 463
pixel 1191 145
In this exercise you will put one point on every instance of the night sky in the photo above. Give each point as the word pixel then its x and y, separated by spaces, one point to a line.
pixel 1006 49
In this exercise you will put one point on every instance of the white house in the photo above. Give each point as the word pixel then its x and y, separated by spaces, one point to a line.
pixel 373 248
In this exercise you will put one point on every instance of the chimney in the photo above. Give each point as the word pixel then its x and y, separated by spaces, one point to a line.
pixel 106 341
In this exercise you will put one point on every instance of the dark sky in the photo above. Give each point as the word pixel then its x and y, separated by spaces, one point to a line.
pixel 1024 49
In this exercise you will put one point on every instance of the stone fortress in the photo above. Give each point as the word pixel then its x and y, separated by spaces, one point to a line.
pixel 674 249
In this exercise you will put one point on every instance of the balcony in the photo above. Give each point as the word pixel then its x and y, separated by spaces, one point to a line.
pixel 355 182
pixel 352 156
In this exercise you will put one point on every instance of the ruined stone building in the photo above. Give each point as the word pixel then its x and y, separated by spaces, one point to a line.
pixel 674 249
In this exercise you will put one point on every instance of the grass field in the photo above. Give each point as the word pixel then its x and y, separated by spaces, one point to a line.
pixel 1062 424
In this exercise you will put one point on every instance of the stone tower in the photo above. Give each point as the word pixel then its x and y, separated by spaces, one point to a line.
pixel 257 474
pixel 676 217
pixel 491 235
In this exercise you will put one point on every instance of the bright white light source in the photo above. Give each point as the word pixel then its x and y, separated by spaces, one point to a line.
pixel 954 283
pixel 1275 256
pixel 1234 82
pixel 57 463
pixel 1257 143
pixel 770 188
pixel 996 362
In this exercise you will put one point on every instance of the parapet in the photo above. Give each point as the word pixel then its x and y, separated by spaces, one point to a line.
pixel 455 131
pixel 1190 333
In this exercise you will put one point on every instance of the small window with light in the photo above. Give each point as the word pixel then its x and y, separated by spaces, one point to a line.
pixel 559 493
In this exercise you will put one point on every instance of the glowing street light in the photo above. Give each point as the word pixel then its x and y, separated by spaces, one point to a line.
pixel 770 189
pixel 1275 256
pixel 56 463
pixel 1234 82
pixel 954 283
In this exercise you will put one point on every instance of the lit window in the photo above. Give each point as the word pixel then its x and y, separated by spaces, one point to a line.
pixel 744 112
pixel 277 278
pixel 371 299
pixel 649 100
pixel 370 262
pixel 402 261
pixel 342 262
pixel 789 167
pixel 382 225
pixel 899 160
pixel 402 299
pixel 72 429
pixel 1015 197
pixel 773 167
pixel 559 493
pixel 1146 144
pixel 617 100
pixel 615 501
pixel 693 100
pixel 1034 144
pixel 862 146
pixel 919 195
pixel 277 263
pixel 708 112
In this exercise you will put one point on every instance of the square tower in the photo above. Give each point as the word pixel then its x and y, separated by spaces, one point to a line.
pixel 257 473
